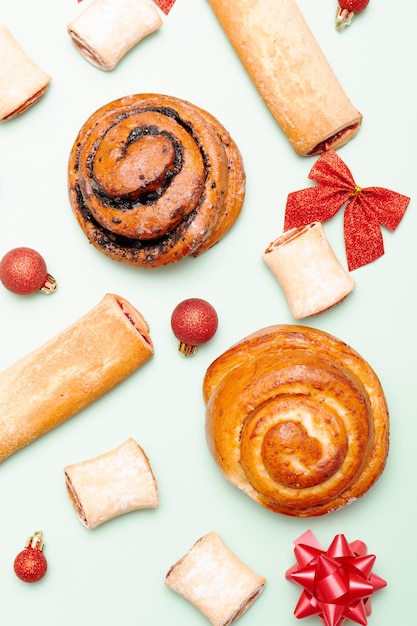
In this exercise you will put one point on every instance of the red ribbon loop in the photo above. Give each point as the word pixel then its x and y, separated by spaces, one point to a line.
pixel 165 5
pixel 366 209
pixel 337 583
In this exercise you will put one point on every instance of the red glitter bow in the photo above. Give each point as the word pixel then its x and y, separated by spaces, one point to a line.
pixel 366 209
pixel 337 582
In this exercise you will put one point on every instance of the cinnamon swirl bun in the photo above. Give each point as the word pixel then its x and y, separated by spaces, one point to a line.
pixel 153 179
pixel 297 420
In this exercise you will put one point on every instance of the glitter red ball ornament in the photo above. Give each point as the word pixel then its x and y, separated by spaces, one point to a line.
pixel 194 322
pixel 23 271
pixel 30 565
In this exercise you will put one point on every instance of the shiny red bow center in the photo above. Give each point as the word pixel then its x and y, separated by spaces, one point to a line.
pixel 337 582
pixel 366 209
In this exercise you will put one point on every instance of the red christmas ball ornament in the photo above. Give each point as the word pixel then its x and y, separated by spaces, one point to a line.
pixel 347 10
pixel 23 271
pixel 30 564
pixel 193 321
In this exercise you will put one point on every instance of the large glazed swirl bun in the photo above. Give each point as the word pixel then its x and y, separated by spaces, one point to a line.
pixel 153 179
pixel 297 420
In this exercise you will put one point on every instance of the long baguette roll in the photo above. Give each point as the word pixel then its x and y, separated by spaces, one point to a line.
pixel 70 371
pixel 290 71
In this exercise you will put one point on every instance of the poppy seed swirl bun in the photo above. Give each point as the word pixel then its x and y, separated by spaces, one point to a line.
pixel 153 179
pixel 297 420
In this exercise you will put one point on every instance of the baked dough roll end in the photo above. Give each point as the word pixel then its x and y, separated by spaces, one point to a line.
pixel 215 580
pixel 114 483
pixel 22 82
pixel 107 29
pixel 308 271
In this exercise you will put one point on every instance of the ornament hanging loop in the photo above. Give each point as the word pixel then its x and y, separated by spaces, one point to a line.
pixel 343 18
pixel 50 285
pixel 35 541
pixel 186 349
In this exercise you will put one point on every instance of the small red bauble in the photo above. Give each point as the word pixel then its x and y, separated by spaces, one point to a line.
pixel 194 321
pixel 30 564
pixel 23 271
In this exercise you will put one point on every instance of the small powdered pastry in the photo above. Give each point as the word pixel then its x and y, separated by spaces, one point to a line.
pixel 114 483
pixel 215 581
pixel 287 66
pixel 22 82
pixel 107 29
pixel 154 179
pixel 297 420
pixel 70 371
pixel 308 271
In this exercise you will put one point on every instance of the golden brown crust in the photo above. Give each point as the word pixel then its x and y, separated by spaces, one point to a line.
pixel 153 179
pixel 290 71
pixel 297 420
pixel 22 82
pixel 70 371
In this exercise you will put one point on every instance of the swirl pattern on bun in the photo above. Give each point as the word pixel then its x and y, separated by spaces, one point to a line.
pixel 154 179
pixel 297 420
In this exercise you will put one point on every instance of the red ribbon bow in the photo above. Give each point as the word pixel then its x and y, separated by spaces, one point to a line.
pixel 164 5
pixel 337 583
pixel 365 210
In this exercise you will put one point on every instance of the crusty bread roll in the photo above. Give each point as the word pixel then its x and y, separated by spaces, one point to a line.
pixel 22 82
pixel 154 179
pixel 70 371
pixel 308 270
pixel 296 419
pixel 290 71
pixel 109 485
pixel 107 29
pixel 215 580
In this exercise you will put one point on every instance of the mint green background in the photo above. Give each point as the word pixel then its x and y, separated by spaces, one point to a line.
pixel 115 573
